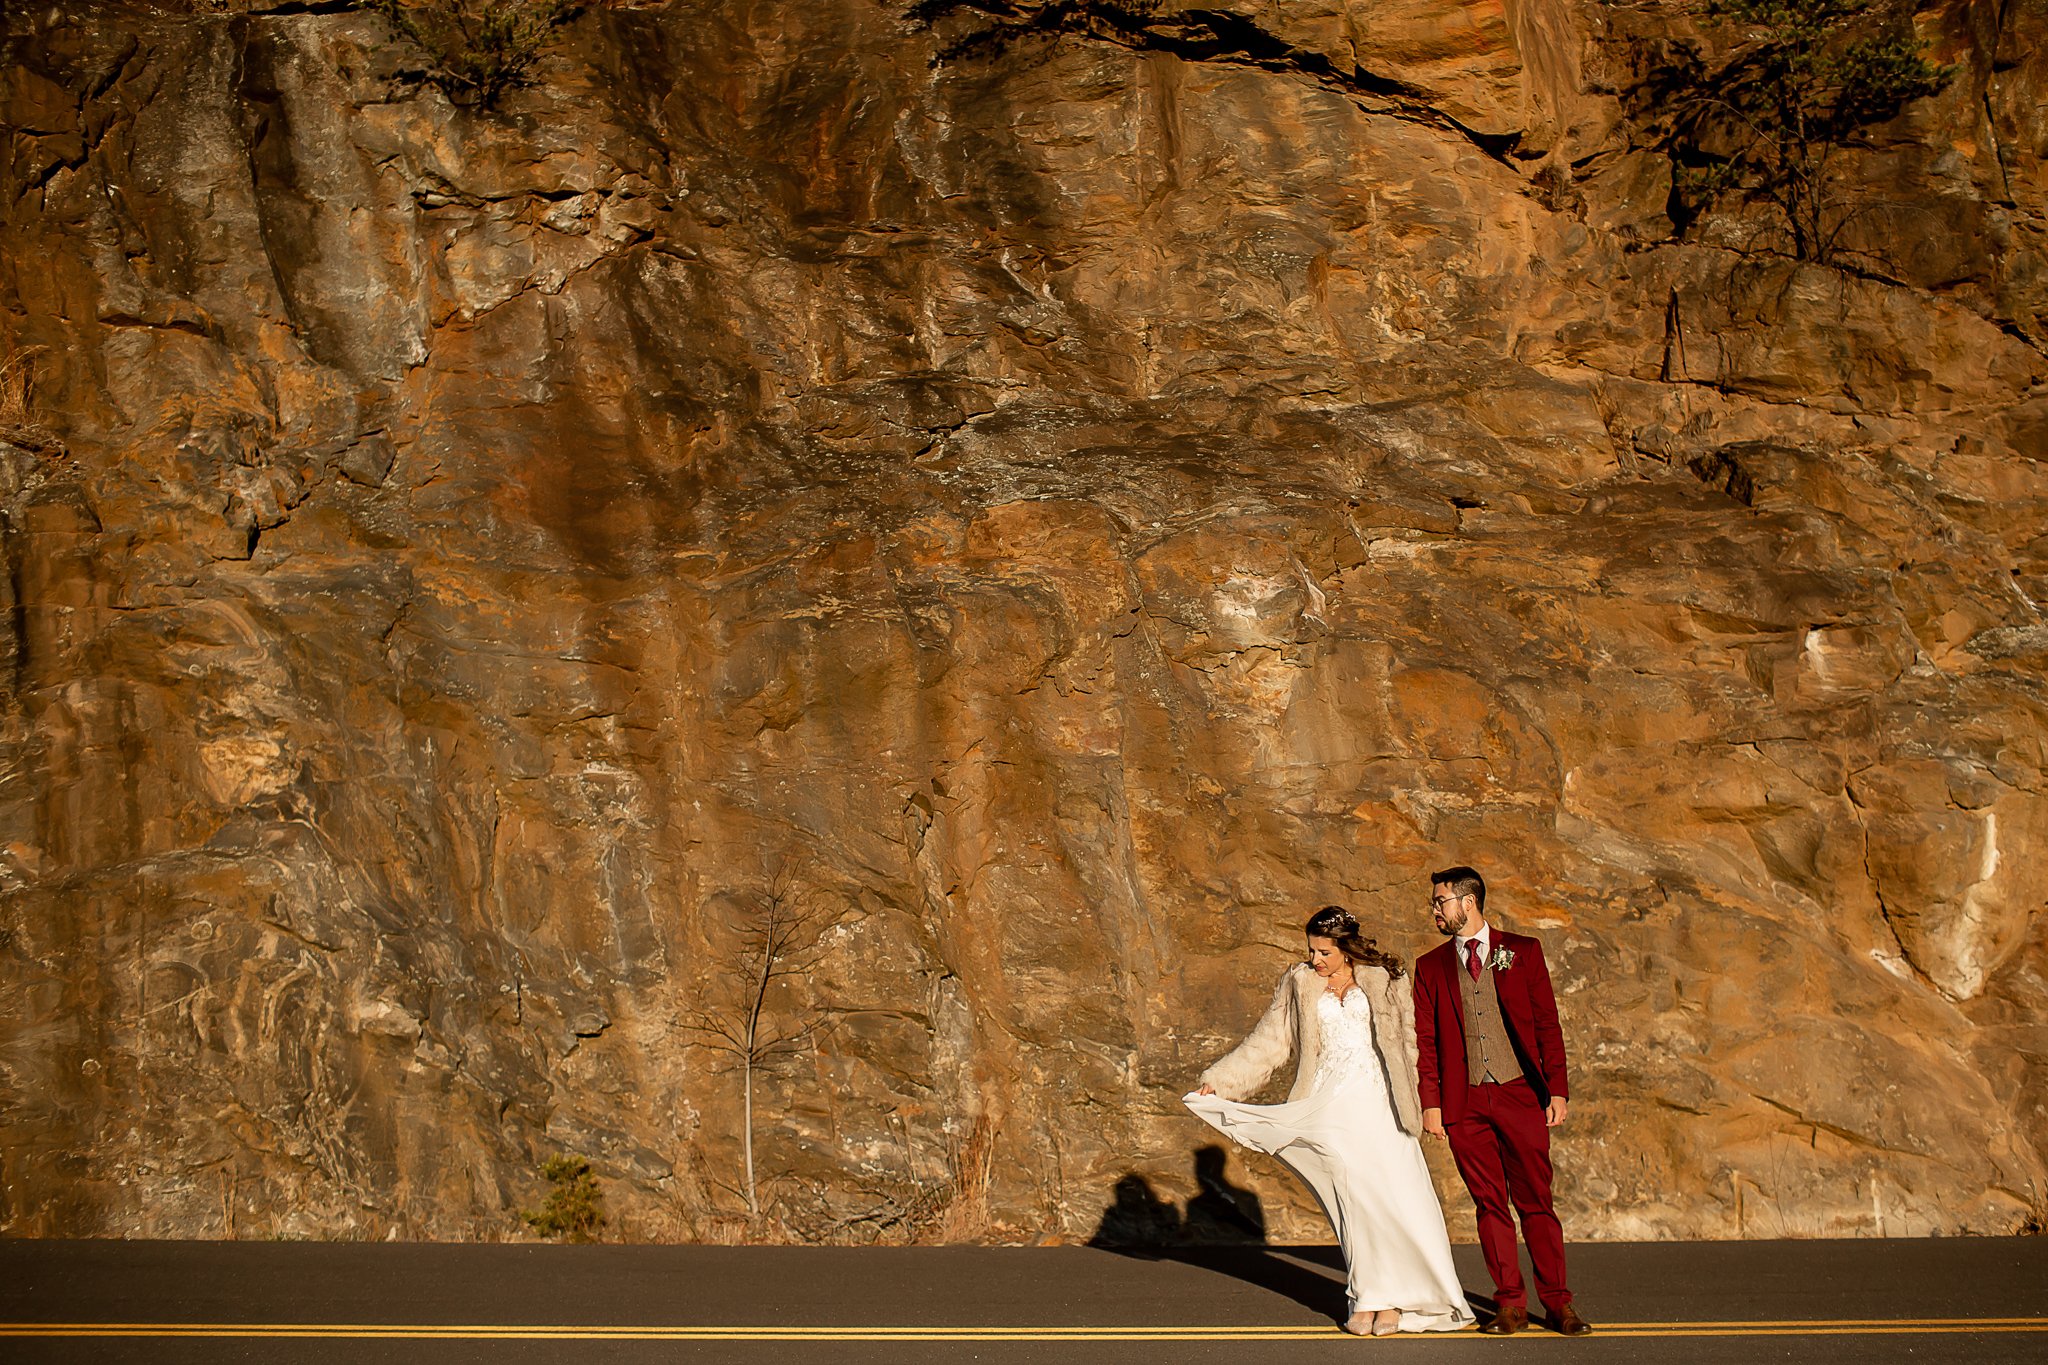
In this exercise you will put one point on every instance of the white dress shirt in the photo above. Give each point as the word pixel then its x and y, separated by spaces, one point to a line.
pixel 1484 938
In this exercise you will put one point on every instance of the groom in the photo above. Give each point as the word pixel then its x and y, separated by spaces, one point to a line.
pixel 1491 1058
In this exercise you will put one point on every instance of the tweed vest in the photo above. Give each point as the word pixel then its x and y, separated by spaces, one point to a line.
pixel 1489 1054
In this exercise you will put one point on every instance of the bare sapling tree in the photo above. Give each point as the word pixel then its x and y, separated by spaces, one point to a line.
pixel 779 930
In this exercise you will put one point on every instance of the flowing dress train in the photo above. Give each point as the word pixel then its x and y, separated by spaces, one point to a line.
pixel 1370 1177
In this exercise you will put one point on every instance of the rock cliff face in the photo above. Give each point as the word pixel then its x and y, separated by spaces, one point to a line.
pixel 1049 495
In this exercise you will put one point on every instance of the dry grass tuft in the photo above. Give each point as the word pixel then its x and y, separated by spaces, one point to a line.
pixel 17 385
pixel 19 424
pixel 479 49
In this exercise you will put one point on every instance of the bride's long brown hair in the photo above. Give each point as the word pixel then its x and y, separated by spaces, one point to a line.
pixel 1340 926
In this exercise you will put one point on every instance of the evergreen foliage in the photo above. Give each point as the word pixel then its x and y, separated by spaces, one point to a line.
pixel 574 1208
pixel 1806 80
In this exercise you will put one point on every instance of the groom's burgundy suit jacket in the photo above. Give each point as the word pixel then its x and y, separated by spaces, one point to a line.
pixel 1527 1006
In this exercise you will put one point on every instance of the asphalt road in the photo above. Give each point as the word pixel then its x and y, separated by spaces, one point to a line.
pixel 1953 1300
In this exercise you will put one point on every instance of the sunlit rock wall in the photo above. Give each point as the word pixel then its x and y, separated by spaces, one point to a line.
pixel 1048 497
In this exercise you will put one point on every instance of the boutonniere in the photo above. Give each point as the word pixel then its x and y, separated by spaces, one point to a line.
pixel 1502 959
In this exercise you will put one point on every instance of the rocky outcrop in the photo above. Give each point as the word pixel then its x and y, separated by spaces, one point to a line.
pixel 1049 495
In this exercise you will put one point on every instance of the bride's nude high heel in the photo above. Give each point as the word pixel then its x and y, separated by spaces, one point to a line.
pixel 1383 1323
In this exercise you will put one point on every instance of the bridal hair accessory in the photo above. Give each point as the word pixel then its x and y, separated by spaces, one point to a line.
pixel 1334 921
pixel 1502 959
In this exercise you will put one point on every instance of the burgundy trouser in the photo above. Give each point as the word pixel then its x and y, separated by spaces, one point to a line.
pixel 1502 1147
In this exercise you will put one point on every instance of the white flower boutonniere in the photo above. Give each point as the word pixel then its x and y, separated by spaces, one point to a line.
pixel 1501 960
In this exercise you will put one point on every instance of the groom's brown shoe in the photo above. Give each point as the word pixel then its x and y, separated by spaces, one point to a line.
pixel 1567 1322
pixel 1507 1322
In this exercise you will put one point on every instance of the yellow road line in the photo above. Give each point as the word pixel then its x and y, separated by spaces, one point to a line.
pixel 497 1332
pixel 1838 1322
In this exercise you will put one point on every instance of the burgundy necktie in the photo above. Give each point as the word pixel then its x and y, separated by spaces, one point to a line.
pixel 1472 957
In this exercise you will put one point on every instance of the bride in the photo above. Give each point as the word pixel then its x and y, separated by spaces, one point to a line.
pixel 1350 1123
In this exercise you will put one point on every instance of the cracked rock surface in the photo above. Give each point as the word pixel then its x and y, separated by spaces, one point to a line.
pixel 1050 494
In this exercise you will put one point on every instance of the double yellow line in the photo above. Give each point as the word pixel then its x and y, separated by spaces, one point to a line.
pixel 546 1332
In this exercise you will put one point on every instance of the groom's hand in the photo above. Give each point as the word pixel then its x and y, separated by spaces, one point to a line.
pixel 1554 1114
pixel 1205 1089
pixel 1433 1122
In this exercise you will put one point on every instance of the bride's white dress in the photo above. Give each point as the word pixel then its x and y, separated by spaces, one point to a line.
pixel 1370 1176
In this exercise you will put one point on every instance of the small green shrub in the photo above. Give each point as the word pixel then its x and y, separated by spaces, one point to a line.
pixel 574 1208
pixel 479 49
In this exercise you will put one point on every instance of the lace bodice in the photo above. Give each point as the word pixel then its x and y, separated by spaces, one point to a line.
pixel 1347 1046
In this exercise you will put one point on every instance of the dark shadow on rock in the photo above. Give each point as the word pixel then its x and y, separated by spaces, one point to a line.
pixel 1136 1218
pixel 1221 1213
pixel 1224 1230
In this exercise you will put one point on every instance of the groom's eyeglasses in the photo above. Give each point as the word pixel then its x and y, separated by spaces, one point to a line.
pixel 1439 902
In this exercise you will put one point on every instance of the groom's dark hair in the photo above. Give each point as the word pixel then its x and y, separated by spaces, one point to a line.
pixel 1462 881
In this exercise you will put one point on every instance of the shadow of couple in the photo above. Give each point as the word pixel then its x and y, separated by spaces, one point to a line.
pixel 1223 1229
